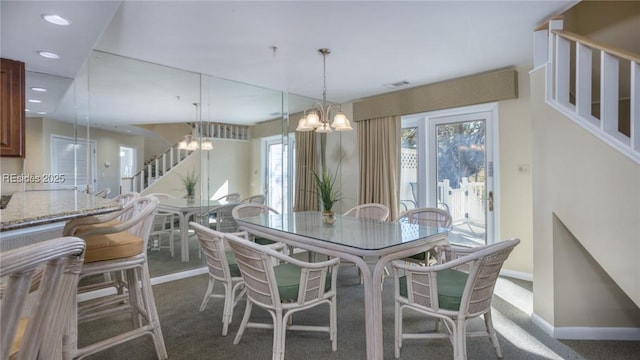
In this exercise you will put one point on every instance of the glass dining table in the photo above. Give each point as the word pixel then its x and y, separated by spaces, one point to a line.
pixel 185 209
pixel 352 239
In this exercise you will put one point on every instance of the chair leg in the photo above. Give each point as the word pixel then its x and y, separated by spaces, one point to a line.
pixel 227 311
pixel 397 329
pixel 134 297
pixel 488 322
pixel 459 339
pixel 333 323
pixel 243 324
pixel 207 295
pixel 279 335
pixel 152 313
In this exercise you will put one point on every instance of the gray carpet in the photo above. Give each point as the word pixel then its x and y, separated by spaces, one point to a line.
pixel 192 335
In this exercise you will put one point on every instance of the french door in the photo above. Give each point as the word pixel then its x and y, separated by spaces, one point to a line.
pixel 448 162
pixel 278 154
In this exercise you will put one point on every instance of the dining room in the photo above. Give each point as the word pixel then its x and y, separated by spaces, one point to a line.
pixel 120 112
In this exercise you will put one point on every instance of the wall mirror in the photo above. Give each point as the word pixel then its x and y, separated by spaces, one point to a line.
pixel 123 117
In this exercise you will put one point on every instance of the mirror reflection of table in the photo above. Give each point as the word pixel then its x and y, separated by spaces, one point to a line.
pixel 352 239
pixel 185 209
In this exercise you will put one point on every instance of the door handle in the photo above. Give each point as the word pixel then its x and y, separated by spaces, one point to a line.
pixel 490 200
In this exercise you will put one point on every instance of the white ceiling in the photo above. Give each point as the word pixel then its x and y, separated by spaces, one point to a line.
pixel 373 43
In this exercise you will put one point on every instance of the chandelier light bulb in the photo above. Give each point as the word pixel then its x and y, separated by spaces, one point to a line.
pixel 313 120
pixel 302 125
pixel 341 122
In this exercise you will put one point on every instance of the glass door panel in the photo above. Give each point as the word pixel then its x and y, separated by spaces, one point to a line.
pixel 447 162
pixel 459 180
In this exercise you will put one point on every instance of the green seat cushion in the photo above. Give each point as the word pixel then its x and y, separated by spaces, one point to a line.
pixel 233 264
pixel 450 287
pixel 288 278
pixel 263 241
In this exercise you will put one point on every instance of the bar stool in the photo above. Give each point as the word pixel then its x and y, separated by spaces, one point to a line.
pixel 119 248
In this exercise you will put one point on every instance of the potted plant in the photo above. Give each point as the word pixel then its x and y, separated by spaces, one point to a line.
pixel 327 191
pixel 189 181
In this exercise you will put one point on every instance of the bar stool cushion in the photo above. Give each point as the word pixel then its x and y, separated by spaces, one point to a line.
pixel 112 246
pixel 450 288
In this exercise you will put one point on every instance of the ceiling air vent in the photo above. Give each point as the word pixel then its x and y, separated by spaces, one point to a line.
pixel 396 84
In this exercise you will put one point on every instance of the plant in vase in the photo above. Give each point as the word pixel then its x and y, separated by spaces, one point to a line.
pixel 189 181
pixel 327 191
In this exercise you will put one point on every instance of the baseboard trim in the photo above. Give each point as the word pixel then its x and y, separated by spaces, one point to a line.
pixel 586 333
pixel 516 275
pixel 90 295
pixel 179 275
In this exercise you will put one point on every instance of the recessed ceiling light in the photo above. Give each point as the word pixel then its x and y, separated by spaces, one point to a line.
pixel 56 19
pixel 27 110
pixel 35 101
pixel 39 89
pixel 49 55
pixel 42 112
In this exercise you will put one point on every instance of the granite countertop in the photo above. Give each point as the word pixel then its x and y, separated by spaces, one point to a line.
pixel 31 208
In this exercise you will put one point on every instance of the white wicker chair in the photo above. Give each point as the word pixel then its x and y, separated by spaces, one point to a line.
pixel 163 224
pixel 120 248
pixel 103 193
pixel 79 225
pixel 254 209
pixel 255 199
pixel 453 292
pixel 231 197
pixel 372 211
pixel 266 288
pixel 223 268
pixel 251 209
pixel 428 216
pixel 39 283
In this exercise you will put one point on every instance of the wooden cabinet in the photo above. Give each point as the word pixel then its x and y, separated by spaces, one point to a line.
pixel 12 105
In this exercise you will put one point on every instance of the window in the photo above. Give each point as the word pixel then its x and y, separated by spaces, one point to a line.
pixel 71 157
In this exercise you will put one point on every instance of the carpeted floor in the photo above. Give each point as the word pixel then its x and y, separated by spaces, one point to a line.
pixel 192 335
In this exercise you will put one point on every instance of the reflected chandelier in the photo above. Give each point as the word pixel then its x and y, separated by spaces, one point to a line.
pixel 317 116
pixel 195 141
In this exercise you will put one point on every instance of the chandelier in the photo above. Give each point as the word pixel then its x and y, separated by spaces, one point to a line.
pixel 196 140
pixel 317 116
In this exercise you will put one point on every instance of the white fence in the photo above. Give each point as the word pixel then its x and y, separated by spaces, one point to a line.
pixel 466 204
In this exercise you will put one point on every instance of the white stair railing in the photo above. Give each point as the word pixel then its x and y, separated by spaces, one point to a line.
pixel 569 60
pixel 155 169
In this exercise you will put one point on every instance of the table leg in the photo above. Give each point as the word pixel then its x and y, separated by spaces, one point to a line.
pixel 373 313
pixel 184 237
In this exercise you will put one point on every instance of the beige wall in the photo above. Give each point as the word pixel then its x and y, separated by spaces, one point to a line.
pixel 38 156
pixel 514 142
pixel 342 148
pixel 514 159
pixel 586 196
pixel 222 170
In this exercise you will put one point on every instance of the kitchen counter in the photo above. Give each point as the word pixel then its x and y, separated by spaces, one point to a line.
pixel 32 208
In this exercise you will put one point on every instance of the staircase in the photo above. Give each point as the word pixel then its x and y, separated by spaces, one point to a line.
pixel 588 180
pixel 612 113
pixel 155 168
pixel 162 164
